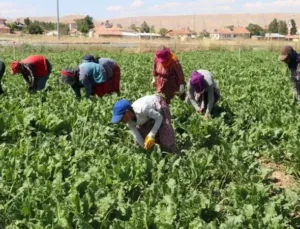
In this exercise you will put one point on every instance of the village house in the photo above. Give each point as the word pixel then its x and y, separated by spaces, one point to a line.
pixel 228 34
pixel 115 31
pixel 181 33
pixel 274 36
pixel 3 27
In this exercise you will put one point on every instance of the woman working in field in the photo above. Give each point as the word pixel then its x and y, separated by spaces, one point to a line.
pixel 91 76
pixel 112 70
pixel 202 92
pixel 149 121
pixel 2 70
pixel 35 69
pixel 168 77
pixel 289 56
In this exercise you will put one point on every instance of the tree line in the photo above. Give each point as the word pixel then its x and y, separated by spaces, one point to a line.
pixel 38 27
pixel 276 26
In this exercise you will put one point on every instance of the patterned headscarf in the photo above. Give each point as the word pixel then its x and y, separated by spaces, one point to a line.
pixel 69 75
pixel 15 67
pixel 165 57
pixel 197 81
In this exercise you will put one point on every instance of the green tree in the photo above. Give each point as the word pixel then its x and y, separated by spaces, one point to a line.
pixel 204 33
pixel 152 29
pixel 82 26
pixel 12 26
pixel 255 29
pixel 163 32
pixel 144 28
pixel 27 21
pixel 282 27
pixel 35 28
pixel 85 24
pixel 133 27
pixel 294 27
pixel 231 27
pixel 273 26
pixel 89 21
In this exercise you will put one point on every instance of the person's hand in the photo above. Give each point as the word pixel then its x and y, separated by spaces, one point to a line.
pixel 153 82
pixel 201 111
pixel 206 116
pixel 149 142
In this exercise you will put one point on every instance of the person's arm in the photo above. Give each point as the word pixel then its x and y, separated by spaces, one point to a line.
pixel 84 79
pixel 76 90
pixel 157 117
pixel 179 73
pixel 30 77
pixel 154 73
pixel 210 103
pixel 136 134
pixel 191 97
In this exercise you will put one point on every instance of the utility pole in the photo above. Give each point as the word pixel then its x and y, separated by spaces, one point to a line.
pixel 194 22
pixel 57 4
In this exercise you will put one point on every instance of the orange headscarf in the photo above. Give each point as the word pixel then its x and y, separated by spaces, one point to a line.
pixel 15 67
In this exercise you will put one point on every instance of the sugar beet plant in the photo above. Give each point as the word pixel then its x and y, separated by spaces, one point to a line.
pixel 63 165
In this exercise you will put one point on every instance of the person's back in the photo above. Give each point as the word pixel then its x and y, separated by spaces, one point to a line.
pixel 108 64
pixel 94 72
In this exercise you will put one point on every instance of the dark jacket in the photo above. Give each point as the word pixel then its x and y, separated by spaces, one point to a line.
pixel 2 70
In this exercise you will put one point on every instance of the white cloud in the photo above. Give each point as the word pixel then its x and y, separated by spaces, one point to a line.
pixel 272 5
pixel 137 3
pixel 114 8
pixel 167 5
pixel 10 10
pixel 197 6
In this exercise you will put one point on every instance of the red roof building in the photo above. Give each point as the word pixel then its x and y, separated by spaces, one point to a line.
pixel 227 34
pixel 3 27
pixel 181 32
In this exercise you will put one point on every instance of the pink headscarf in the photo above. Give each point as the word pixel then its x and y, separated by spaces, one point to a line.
pixel 163 55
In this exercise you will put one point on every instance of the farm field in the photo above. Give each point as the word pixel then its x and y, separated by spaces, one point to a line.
pixel 63 165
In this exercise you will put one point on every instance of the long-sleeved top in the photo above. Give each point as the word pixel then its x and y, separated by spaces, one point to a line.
pixel 295 71
pixel 34 67
pixel 2 69
pixel 108 65
pixel 168 79
pixel 145 109
pixel 210 87
pixel 91 74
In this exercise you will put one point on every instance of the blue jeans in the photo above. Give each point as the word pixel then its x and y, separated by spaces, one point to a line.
pixel 41 83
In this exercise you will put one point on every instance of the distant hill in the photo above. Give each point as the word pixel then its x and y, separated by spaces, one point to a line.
pixel 65 19
pixel 199 22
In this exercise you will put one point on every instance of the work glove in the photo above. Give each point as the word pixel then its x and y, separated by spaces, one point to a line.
pixel 149 142
pixel 207 116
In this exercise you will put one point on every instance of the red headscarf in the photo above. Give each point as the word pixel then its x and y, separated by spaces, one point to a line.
pixel 15 67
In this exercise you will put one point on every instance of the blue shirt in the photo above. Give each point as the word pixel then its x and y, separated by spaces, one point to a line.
pixel 91 74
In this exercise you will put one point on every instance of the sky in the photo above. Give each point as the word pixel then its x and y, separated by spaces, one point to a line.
pixel 104 9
